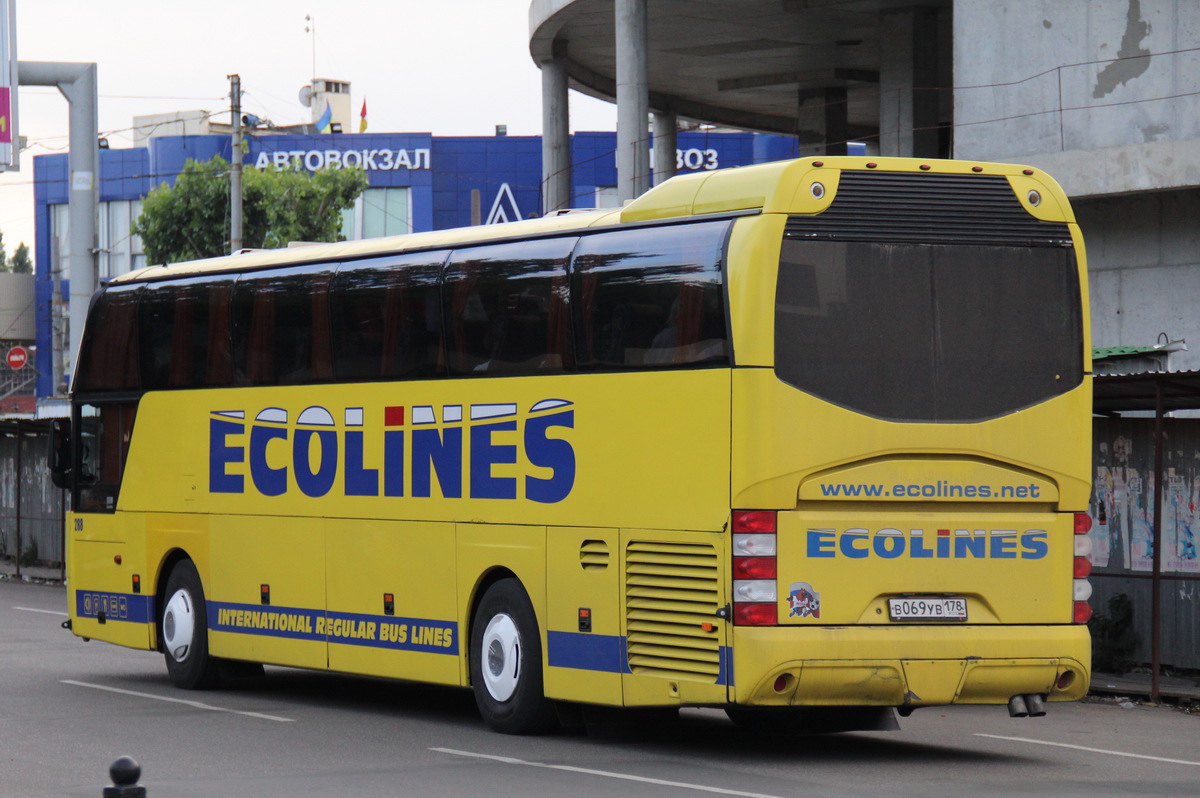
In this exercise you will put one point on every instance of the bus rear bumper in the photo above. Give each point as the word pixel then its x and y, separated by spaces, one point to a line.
pixel 908 666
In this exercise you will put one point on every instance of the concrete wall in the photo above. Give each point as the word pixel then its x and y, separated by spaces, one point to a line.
pixel 1144 264
pixel 1098 93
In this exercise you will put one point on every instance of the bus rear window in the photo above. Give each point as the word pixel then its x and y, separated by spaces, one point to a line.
pixel 923 332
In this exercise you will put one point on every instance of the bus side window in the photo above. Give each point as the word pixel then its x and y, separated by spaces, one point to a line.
pixel 156 333
pixel 110 360
pixel 506 307
pixel 183 333
pixel 651 298
pixel 281 329
pixel 385 318
pixel 217 365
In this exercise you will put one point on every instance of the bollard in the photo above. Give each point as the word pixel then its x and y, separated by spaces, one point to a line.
pixel 125 773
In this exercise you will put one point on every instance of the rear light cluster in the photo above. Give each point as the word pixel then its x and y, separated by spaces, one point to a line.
pixel 755 597
pixel 1082 611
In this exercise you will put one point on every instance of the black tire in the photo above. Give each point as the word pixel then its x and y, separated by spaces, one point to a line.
pixel 184 629
pixel 506 662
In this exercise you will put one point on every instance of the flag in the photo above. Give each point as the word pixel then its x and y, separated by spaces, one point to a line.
pixel 326 118
pixel 362 125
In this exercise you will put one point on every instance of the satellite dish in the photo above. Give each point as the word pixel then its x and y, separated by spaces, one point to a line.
pixel 306 93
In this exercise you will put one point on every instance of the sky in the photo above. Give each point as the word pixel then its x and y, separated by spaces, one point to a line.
pixel 447 67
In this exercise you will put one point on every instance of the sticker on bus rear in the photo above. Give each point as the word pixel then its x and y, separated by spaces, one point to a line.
pixel 804 601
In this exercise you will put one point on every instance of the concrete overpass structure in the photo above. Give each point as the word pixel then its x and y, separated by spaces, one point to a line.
pixel 1102 94
pixel 827 72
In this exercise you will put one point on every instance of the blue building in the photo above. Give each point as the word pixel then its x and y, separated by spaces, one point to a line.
pixel 418 182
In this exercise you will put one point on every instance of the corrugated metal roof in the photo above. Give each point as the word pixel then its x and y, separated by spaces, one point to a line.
pixel 1116 393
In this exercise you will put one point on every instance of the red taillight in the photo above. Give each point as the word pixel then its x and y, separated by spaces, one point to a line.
pixel 754 551
pixel 1082 568
pixel 761 521
pixel 755 615
pixel 753 567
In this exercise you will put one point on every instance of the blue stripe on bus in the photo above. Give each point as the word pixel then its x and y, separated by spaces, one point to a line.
pixel 128 607
pixel 586 651
pixel 725 676
pixel 608 654
pixel 297 623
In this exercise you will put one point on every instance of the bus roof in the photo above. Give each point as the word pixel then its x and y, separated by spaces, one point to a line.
pixel 306 253
pixel 769 187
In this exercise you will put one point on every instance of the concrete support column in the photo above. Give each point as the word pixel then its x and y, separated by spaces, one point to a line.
pixel 633 100
pixel 908 83
pixel 823 121
pixel 77 82
pixel 556 133
pixel 666 142
pixel 837 120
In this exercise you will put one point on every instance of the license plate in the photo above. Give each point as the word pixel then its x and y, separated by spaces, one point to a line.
pixel 927 608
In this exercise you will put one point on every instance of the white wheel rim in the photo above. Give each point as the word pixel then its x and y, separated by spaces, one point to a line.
pixel 501 657
pixel 179 624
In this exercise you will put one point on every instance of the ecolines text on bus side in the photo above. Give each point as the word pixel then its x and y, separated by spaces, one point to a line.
pixel 318 457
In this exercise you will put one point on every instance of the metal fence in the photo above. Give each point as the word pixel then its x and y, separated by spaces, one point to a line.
pixel 31 508
pixel 1124 535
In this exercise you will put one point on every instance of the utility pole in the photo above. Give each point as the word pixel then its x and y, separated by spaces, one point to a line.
pixel 235 167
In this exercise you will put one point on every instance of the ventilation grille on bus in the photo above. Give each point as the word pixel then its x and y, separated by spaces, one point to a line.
pixel 671 589
pixel 593 555
pixel 905 207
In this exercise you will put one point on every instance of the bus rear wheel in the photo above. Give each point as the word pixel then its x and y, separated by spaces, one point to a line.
pixel 506 662
pixel 185 631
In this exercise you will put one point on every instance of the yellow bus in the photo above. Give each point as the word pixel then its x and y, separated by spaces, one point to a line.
pixel 806 440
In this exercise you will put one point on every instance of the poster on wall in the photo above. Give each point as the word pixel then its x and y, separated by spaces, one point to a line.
pixel 1105 525
pixel 1122 506
pixel 1182 494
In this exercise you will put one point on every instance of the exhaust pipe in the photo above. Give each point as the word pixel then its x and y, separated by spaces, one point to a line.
pixel 1035 705
pixel 1017 707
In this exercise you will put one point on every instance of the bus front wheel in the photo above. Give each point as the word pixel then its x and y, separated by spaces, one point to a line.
pixel 506 662
pixel 185 630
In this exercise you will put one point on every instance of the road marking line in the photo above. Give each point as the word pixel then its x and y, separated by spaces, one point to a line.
pixel 47 612
pixel 1093 750
pixel 608 774
pixel 196 704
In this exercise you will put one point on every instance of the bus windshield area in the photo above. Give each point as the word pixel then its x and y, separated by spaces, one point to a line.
pixel 928 332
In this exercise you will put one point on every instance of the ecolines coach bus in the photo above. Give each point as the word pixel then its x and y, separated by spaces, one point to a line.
pixel 802 435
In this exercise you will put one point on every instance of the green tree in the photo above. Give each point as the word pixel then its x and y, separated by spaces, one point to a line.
pixel 21 263
pixel 191 219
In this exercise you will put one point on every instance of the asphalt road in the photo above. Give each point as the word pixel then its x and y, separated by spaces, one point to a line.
pixel 69 708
